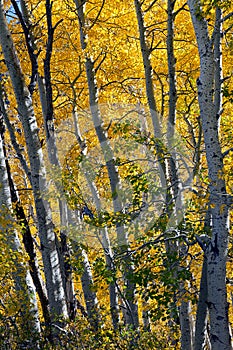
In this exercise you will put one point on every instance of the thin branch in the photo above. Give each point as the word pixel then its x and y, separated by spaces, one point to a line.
pixel 102 60
pixel 227 17
pixel 228 29
pixel 30 48
pixel 227 152
pixel 150 6
pixel 98 15
pixel 161 239
pixel 13 137
pixel 179 10
pixel 57 24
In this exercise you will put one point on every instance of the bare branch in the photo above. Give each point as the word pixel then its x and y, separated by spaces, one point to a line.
pixel 227 152
pixel 180 9
pixel 14 141
pixel 102 60
pixel 98 15
pixel 30 48
pixel 227 17
pixel 150 6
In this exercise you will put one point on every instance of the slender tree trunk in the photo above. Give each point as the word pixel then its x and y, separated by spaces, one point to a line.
pixel 30 326
pixel 90 297
pixel 148 70
pixel 56 296
pixel 12 133
pixel 186 335
pixel 23 223
pixel 45 90
pixel 218 73
pixel 185 308
pixel 216 251
pixel 46 98
pixel 168 169
pixel 145 314
pixel 201 313
pixel 29 247
pixel 131 315
pixel 103 232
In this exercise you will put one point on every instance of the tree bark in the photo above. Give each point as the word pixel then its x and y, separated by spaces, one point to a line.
pixel 23 282
pixel 186 334
pixel 46 97
pixel 148 71
pixel 176 193
pixel 201 313
pixel 131 314
pixel 45 91
pixel 90 297
pixel 23 223
pixel 56 295
pixel 216 251
pixel 105 241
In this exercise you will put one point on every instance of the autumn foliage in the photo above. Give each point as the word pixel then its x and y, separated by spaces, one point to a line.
pixel 116 174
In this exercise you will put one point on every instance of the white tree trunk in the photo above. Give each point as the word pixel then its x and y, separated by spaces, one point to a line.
pixel 22 277
pixel 56 295
pixel 105 241
pixel 201 313
pixel 46 98
pixel 131 314
pixel 22 220
pixel 45 91
pixel 89 295
pixel 148 70
pixel 216 251
pixel 186 334
pixel 168 169
pixel 176 193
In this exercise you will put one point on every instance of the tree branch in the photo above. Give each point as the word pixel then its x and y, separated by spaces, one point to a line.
pixel 227 152
pixel 98 15
pixel 29 44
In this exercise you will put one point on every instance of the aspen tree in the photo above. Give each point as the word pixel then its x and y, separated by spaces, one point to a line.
pixel 23 282
pixel 56 296
pixel 131 308
pixel 209 100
